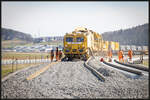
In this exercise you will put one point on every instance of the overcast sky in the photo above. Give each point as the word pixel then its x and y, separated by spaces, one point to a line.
pixel 57 18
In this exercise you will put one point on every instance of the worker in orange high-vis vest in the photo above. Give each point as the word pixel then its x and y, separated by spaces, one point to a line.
pixel 57 54
pixel 52 55
pixel 130 53
pixel 60 54
pixel 120 55
pixel 110 55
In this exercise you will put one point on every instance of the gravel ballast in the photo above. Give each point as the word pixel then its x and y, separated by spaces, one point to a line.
pixel 127 87
pixel 74 80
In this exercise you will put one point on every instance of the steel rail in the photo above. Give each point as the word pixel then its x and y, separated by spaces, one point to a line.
pixel 95 72
pixel 123 68
pixel 133 66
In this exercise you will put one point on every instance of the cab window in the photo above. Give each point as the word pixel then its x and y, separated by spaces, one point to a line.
pixel 69 39
pixel 80 39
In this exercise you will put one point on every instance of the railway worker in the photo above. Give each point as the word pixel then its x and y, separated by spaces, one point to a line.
pixel 110 55
pixel 60 54
pixel 130 53
pixel 57 54
pixel 120 55
pixel 141 56
pixel 52 55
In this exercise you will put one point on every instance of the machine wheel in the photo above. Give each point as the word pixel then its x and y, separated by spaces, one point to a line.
pixel 83 58
pixel 70 58
pixel 64 59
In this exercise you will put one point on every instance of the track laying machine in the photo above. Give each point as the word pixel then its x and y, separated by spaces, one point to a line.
pixel 82 43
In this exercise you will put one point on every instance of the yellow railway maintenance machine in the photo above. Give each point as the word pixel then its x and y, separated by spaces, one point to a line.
pixel 75 45
pixel 81 43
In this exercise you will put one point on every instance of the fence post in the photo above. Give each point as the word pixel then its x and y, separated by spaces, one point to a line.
pixel 16 64
pixel 12 67
pixel 13 64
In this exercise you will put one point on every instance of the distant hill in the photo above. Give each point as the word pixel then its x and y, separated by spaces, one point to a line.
pixel 9 34
pixel 133 36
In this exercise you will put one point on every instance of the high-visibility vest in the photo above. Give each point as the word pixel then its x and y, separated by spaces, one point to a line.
pixel 121 54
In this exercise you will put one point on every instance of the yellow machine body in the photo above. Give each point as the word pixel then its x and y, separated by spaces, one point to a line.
pixel 75 45
pixel 78 43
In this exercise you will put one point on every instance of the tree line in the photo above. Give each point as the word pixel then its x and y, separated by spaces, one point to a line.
pixel 133 36
pixel 9 34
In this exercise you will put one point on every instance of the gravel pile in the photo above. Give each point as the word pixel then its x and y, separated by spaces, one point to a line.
pixel 64 80
pixel 14 85
pixel 73 80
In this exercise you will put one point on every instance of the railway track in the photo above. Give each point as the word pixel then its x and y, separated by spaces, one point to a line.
pixel 143 70
pixel 93 71
pixel 127 70
pixel 134 66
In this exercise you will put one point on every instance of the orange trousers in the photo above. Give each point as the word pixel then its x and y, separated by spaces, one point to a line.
pixel 57 57
pixel 130 57
pixel 121 58
pixel 52 58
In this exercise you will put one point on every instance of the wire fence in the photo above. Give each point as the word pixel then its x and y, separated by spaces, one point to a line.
pixel 26 61
pixel 15 62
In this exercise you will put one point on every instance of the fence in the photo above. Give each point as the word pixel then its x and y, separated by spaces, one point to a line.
pixel 14 64
pixel 26 61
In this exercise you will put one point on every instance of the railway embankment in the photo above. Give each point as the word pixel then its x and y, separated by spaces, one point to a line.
pixel 71 79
